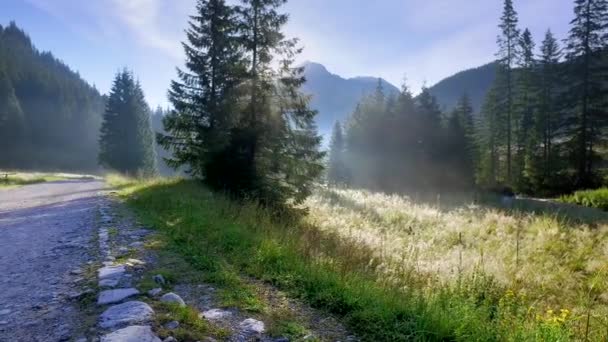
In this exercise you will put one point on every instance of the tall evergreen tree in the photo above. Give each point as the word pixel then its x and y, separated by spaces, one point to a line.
pixel 587 92
pixel 277 143
pixel 337 172
pixel 524 109
pixel 549 118
pixel 126 139
pixel 459 146
pixel 205 98
pixel 508 42
pixel 489 133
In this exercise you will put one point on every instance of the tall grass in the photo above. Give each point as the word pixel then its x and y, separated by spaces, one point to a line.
pixel 590 198
pixel 395 270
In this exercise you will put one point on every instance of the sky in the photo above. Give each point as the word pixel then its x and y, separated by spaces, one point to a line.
pixel 421 41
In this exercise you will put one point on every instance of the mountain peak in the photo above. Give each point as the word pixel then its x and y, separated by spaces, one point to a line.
pixel 315 68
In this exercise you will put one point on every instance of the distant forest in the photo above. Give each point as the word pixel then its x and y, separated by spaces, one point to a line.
pixel 49 116
pixel 542 128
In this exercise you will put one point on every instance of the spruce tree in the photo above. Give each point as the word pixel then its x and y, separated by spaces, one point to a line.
pixel 586 46
pixel 276 145
pixel 488 135
pixel 549 117
pixel 525 109
pixel 337 172
pixel 206 96
pixel 508 42
pixel 126 138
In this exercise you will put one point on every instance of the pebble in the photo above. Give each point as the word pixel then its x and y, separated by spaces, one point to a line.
pixel 155 292
pixel 172 325
pixel 5 312
pixel 173 298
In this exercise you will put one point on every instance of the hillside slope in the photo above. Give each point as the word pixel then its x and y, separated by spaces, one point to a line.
pixel 49 116
pixel 475 82
pixel 336 97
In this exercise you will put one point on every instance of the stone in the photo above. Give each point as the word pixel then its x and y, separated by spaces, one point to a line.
pixel 82 339
pixel 115 296
pixel 136 244
pixel 155 292
pixel 135 333
pixel 159 279
pixel 281 339
pixel 172 325
pixel 216 314
pixel 170 339
pixel 110 275
pixel 124 314
pixel 252 326
pixel 5 312
pixel 173 298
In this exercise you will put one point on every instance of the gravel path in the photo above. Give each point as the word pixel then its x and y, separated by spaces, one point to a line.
pixel 46 233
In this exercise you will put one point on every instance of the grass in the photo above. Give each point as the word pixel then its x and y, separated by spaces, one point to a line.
pixel 590 198
pixel 392 269
pixel 16 179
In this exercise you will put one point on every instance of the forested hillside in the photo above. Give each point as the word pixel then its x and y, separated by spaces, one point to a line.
pixel 542 128
pixel 49 116
pixel 474 82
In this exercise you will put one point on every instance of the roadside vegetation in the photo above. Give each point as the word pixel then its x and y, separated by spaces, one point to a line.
pixel 393 269
pixel 11 180
pixel 590 198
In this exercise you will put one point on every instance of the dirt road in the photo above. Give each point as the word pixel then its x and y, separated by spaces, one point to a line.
pixel 46 236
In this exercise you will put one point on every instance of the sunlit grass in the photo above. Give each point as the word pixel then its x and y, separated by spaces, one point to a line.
pixel 589 198
pixel 14 179
pixel 398 270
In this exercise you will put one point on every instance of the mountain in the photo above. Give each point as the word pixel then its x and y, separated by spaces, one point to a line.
pixel 475 82
pixel 49 116
pixel 336 97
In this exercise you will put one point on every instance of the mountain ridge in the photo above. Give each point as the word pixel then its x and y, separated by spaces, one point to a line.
pixel 336 97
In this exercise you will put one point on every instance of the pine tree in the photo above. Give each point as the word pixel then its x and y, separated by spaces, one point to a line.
pixel 337 172
pixel 126 138
pixel 524 109
pixel 206 97
pixel 585 44
pixel 275 146
pixel 488 135
pixel 549 119
pixel 507 55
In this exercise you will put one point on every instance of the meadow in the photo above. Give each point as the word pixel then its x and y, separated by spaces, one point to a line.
pixel 394 269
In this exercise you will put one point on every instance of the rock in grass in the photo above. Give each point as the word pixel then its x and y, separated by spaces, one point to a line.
pixel 120 315
pixel 135 333
pixel 252 326
pixel 159 279
pixel 155 292
pixel 216 314
pixel 115 296
pixel 110 275
pixel 172 325
pixel 173 298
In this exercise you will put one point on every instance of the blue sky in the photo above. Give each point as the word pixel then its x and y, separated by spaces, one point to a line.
pixel 424 41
